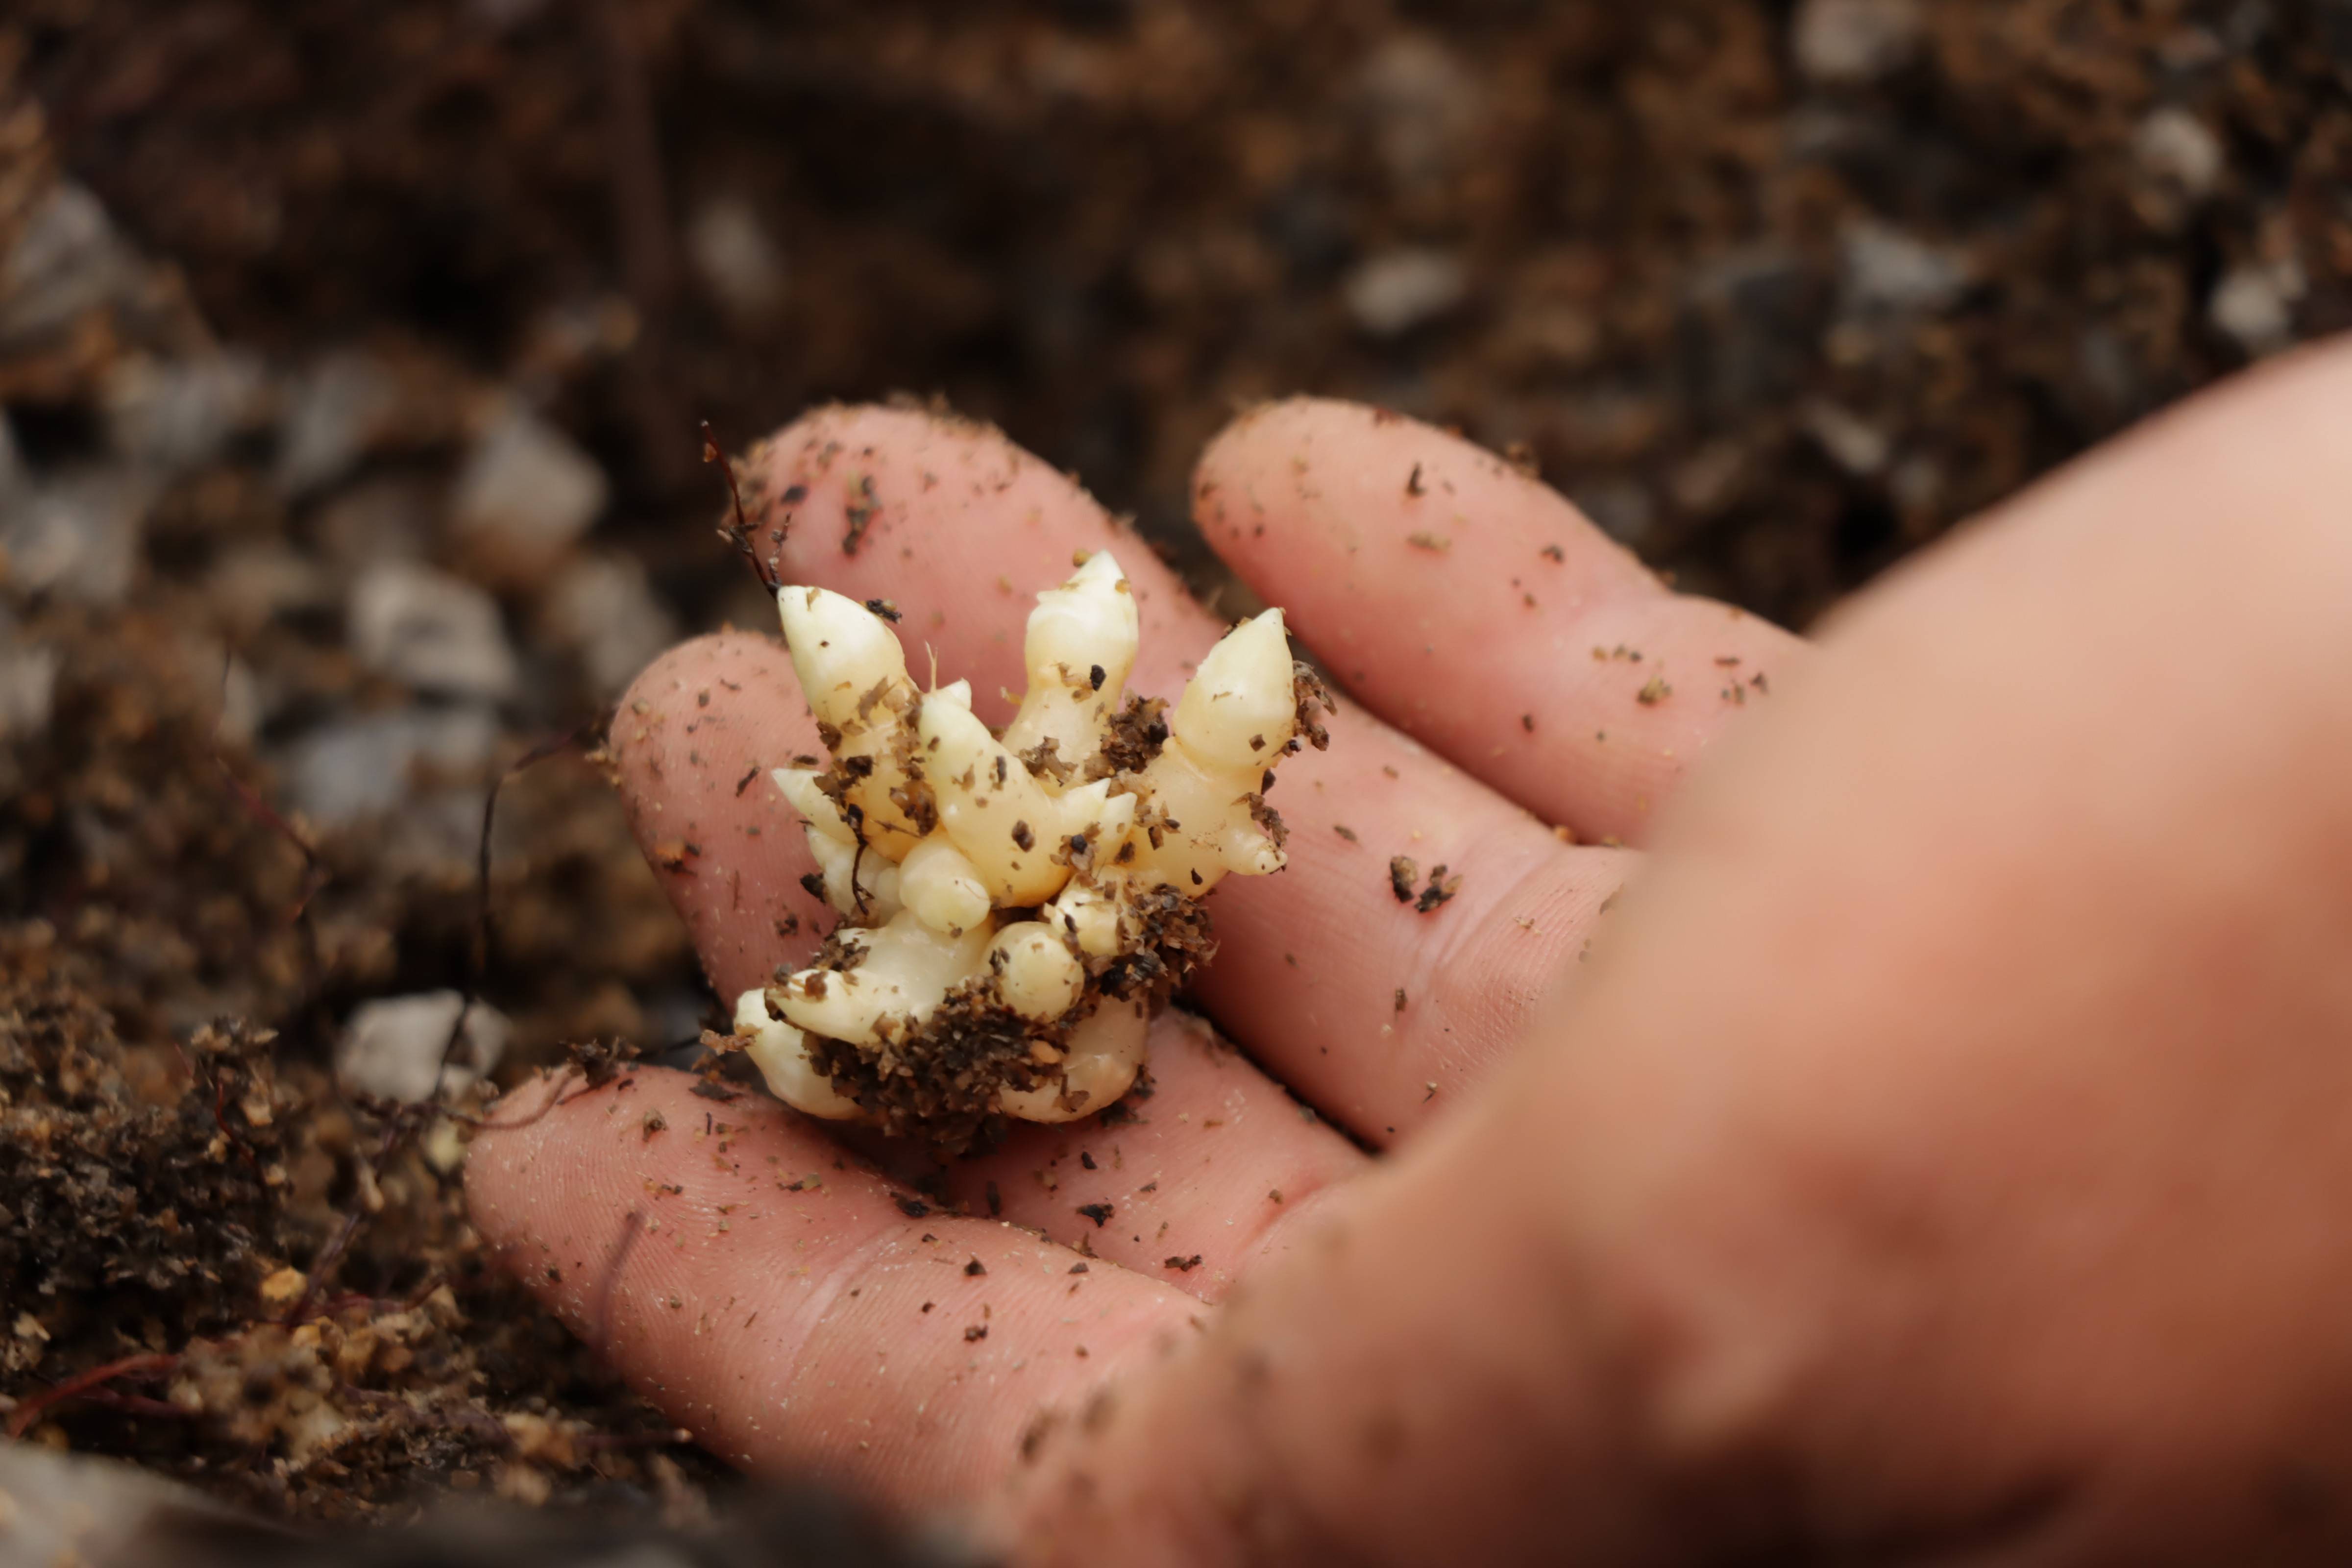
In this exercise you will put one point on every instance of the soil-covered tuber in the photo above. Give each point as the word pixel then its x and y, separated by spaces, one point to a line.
pixel 1013 904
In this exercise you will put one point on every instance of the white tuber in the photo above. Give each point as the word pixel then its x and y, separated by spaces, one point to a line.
pixel 1106 1052
pixel 1102 825
pixel 781 1053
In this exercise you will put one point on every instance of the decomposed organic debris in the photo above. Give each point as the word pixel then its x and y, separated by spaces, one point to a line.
pixel 1014 905
pixel 1440 888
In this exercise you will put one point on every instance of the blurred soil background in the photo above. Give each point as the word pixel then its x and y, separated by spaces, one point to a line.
pixel 351 360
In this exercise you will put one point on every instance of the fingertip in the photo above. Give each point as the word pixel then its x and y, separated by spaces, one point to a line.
pixel 958 527
pixel 730 662
pixel 860 488
pixel 1457 596
pixel 506 1145
pixel 692 743
pixel 1314 490
pixel 1251 422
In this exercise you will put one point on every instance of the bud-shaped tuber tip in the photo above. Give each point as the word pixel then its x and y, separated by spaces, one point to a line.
pixel 1241 707
pixel 841 650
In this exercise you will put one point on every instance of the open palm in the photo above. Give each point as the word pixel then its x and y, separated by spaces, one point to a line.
pixel 1940 1157
pixel 791 1309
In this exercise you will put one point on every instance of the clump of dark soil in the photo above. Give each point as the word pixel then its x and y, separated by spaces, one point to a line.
pixel 1173 938
pixel 938 1082
pixel 127 1203
pixel 1135 734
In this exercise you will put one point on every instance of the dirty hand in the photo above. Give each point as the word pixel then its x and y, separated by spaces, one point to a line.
pixel 1935 1153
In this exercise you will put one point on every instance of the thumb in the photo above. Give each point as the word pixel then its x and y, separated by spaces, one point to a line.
pixel 1925 1165
pixel 1396 1389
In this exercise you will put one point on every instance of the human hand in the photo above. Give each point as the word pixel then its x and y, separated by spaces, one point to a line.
pixel 1221 1165
pixel 1797 1211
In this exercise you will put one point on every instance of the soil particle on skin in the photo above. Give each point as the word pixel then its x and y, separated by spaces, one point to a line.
pixel 859 508
pixel 1034 1436
pixel 1402 873
pixel 599 1062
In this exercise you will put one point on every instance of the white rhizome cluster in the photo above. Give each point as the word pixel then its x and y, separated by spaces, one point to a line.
pixel 1017 876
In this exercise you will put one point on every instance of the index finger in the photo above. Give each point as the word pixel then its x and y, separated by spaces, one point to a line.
pixel 787 1305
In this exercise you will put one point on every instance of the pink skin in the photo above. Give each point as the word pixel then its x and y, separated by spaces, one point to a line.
pixel 1459 602
pixel 1939 1156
